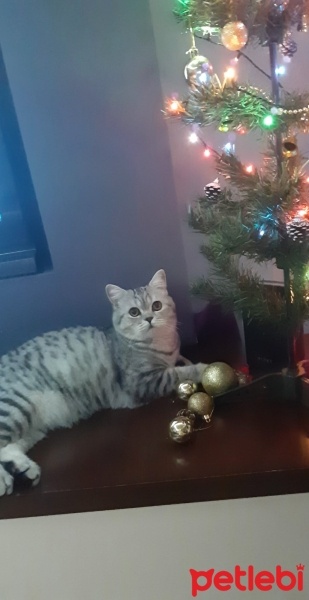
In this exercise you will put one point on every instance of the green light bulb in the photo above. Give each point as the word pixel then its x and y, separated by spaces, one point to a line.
pixel 268 121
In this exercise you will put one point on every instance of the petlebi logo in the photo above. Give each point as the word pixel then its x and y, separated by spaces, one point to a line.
pixel 247 580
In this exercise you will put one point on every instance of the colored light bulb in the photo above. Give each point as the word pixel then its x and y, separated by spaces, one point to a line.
pixel 268 121
pixel 230 73
pixel 229 148
pixel 302 212
pixel 280 70
pixel 193 138
pixel 174 106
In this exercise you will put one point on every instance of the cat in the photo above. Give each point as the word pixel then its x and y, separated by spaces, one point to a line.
pixel 61 377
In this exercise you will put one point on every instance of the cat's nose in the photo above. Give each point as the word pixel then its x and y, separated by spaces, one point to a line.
pixel 149 319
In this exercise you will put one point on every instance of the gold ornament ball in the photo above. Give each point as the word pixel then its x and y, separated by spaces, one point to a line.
pixel 234 35
pixel 201 404
pixel 186 389
pixel 181 429
pixel 218 378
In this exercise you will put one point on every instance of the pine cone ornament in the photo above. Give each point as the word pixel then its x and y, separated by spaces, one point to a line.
pixel 288 46
pixel 212 191
pixel 298 230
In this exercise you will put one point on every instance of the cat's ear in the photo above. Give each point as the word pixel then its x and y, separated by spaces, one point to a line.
pixel 114 293
pixel 159 280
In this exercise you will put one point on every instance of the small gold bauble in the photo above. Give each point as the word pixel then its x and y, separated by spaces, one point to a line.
pixel 186 389
pixel 181 429
pixel 201 404
pixel 218 378
pixel 234 35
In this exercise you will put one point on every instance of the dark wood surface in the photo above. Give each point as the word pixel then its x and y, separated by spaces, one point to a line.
pixel 258 444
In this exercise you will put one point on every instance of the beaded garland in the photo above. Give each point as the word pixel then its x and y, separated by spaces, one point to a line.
pixel 279 109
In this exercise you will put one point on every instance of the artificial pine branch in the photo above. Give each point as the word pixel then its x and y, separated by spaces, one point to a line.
pixel 262 214
pixel 232 229
pixel 245 294
pixel 239 107
pixel 253 13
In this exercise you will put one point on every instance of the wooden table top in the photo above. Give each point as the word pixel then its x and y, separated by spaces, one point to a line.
pixel 258 444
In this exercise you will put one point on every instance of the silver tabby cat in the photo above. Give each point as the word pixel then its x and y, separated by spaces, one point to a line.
pixel 57 379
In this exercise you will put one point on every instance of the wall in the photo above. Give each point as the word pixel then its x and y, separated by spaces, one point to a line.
pixel 85 84
pixel 146 553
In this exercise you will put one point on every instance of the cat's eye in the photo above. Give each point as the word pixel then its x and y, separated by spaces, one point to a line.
pixel 157 305
pixel 134 311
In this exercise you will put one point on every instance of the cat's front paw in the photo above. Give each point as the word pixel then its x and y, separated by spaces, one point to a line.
pixel 23 469
pixel 6 482
pixel 193 372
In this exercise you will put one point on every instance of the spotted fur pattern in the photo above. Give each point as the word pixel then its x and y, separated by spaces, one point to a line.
pixel 61 377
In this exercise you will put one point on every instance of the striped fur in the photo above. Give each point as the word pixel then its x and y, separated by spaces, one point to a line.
pixel 61 377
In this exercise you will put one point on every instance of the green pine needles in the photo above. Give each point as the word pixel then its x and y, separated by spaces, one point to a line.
pixel 245 223
pixel 236 107
pixel 262 214
pixel 214 14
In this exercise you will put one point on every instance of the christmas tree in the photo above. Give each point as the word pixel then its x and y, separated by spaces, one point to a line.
pixel 257 213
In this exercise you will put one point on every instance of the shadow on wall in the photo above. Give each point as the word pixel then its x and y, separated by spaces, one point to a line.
pixel 218 335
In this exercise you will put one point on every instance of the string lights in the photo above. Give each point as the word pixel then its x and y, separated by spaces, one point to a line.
pixel 201 75
pixel 262 212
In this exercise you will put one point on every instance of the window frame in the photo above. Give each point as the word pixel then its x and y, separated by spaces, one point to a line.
pixel 27 250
